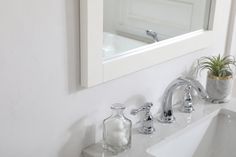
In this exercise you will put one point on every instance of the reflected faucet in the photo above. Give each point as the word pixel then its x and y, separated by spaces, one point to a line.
pixel 167 109
pixel 152 34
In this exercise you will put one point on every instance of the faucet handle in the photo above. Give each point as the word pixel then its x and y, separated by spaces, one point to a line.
pixel 146 107
pixel 187 106
pixel 147 123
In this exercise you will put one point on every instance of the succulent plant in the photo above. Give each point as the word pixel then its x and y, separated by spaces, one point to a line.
pixel 218 66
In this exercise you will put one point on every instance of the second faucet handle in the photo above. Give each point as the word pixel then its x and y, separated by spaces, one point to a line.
pixel 147 123
pixel 187 106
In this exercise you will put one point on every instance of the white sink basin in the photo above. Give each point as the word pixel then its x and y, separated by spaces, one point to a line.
pixel 213 136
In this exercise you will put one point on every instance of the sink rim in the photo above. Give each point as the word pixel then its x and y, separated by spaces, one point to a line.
pixel 221 111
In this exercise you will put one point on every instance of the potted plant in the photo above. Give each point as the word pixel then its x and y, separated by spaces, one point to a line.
pixel 219 77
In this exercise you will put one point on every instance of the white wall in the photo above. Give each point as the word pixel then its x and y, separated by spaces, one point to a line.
pixel 231 47
pixel 43 111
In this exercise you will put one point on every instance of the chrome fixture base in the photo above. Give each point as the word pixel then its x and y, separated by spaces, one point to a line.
pixel 218 101
pixel 146 130
pixel 187 109
pixel 168 119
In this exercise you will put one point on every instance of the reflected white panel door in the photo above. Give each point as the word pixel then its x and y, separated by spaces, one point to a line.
pixel 169 18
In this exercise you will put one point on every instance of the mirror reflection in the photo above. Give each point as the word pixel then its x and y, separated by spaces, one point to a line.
pixel 131 24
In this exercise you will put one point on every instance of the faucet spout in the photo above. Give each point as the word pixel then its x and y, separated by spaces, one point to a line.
pixel 167 109
pixel 152 34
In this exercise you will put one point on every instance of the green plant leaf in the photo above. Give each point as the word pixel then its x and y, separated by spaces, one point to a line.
pixel 219 66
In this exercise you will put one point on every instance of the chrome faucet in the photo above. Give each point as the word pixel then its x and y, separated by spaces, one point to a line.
pixel 152 34
pixel 167 109
pixel 147 123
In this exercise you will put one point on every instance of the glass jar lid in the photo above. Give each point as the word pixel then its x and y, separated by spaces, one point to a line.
pixel 117 106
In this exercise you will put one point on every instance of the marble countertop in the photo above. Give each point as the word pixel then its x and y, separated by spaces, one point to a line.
pixel 141 143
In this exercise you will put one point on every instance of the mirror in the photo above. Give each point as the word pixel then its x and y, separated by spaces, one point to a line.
pixel 131 24
pixel 119 37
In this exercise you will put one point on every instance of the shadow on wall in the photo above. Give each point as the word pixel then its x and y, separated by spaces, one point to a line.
pixel 135 102
pixel 80 136
pixel 83 132
pixel 73 44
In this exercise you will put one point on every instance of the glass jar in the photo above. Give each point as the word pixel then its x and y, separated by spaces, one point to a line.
pixel 117 130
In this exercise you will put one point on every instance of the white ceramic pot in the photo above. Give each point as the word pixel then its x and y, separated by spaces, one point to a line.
pixel 219 89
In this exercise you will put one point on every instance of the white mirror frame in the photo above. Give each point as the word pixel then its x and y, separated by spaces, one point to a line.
pixel 94 70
